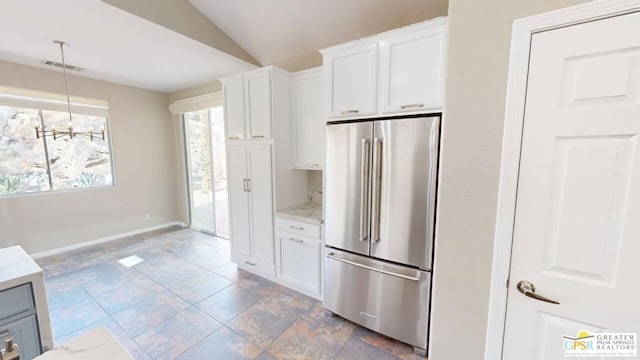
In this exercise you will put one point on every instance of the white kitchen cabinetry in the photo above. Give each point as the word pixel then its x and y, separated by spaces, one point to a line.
pixel 259 173
pixel 351 80
pixel 250 187
pixel 307 122
pixel 299 256
pixel 248 112
pixel 400 71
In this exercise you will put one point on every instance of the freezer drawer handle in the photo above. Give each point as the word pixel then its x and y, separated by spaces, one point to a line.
pixel 402 276
pixel 368 316
pixel 364 189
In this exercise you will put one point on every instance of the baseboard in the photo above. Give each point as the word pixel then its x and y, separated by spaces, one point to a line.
pixel 84 244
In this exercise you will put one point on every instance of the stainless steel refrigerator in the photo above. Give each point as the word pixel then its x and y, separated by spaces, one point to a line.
pixel 380 189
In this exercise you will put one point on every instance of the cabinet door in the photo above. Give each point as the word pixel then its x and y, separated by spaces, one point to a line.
pixel 411 68
pixel 233 91
pixel 307 121
pixel 351 81
pixel 258 97
pixel 238 199
pixel 261 190
pixel 24 333
pixel 299 262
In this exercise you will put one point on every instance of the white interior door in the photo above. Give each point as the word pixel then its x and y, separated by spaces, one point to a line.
pixel 577 226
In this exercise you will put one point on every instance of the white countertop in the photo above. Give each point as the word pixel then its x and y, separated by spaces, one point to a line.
pixel 97 344
pixel 16 267
pixel 310 213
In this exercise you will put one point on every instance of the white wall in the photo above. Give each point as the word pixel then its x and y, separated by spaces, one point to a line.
pixel 478 56
pixel 144 140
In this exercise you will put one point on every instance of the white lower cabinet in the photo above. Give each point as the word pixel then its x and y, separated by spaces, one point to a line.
pixel 250 188
pixel 299 259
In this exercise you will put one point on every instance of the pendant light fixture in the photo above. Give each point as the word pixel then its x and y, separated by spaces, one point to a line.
pixel 69 131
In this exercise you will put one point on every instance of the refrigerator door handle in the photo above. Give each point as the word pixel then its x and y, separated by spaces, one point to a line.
pixel 364 190
pixel 375 191
pixel 402 276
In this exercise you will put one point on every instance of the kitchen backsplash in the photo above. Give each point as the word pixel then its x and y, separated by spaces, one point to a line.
pixel 314 186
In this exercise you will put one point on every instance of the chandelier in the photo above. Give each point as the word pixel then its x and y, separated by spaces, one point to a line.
pixel 69 131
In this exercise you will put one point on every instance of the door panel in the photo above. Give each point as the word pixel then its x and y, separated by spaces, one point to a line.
pixel 412 70
pixel 352 81
pixel 258 84
pixel 260 189
pixel 233 91
pixel 407 176
pixel 239 204
pixel 346 225
pixel 576 230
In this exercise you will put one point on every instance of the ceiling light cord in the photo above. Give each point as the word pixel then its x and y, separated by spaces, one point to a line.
pixel 64 71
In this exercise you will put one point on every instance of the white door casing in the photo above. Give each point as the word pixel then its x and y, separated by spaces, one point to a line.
pixel 575 233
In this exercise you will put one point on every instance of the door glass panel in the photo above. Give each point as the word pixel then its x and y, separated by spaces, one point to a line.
pixel 198 142
pixel 219 172
pixel 207 172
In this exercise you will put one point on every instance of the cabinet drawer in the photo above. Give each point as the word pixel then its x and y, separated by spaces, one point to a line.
pixel 24 333
pixel 15 301
pixel 392 300
pixel 296 227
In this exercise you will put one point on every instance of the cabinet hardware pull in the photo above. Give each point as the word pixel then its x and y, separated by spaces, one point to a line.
pixel 346 112
pixel 244 185
pixel 250 263
pixel 368 316
pixel 315 165
pixel 233 137
pixel 296 240
pixel 411 106
pixel 296 227
pixel 248 185
pixel 257 136
pixel 4 333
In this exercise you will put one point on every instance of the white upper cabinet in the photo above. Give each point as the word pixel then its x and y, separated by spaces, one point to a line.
pixel 411 70
pixel 233 92
pixel 307 122
pixel 400 71
pixel 258 96
pixel 247 105
pixel 351 75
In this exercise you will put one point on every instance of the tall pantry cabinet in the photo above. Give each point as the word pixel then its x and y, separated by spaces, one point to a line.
pixel 259 175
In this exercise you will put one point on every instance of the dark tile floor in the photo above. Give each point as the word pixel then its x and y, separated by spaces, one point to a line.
pixel 186 300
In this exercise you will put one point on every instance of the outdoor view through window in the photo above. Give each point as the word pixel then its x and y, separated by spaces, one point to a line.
pixel 29 163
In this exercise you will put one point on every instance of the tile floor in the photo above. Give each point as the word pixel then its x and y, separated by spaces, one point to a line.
pixel 186 300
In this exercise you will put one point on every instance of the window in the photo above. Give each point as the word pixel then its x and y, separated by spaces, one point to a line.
pixel 35 164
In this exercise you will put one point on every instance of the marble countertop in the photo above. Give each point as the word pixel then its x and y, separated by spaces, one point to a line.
pixel 97 344
pixel 16 267
pixel 310 213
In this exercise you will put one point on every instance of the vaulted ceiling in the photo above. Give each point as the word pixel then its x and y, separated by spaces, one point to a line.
pixel 168 45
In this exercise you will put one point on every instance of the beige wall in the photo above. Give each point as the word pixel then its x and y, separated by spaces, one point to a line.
pixel 478 56
pixel 182 17
pixel 143 135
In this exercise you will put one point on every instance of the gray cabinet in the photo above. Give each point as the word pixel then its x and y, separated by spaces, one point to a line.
pixel 18 320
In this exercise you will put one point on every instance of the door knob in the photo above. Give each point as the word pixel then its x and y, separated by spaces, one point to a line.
pixel 529 290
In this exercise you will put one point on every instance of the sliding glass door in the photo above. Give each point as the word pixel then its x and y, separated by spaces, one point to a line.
pixel 207 172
